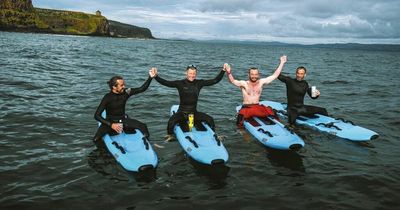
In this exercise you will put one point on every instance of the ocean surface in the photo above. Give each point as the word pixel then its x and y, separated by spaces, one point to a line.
pixel 51 86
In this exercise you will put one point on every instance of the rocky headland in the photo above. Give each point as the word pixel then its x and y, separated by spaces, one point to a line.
pixel 21 16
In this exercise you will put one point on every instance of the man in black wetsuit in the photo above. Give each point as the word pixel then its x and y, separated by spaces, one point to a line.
pixel 189 90
pixel 296 89
pixel 113 103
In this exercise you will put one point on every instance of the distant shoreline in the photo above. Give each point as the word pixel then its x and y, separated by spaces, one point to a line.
pixel 19 30
pixel 348 46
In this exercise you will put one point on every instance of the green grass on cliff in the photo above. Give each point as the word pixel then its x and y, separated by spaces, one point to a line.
pixel 54 21
pixel 17 19
pixel 71 22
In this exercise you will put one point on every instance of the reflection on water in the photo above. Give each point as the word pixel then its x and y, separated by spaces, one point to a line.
pixel 291 160
pixel 105 164
pixel 216 174
pixel 287 159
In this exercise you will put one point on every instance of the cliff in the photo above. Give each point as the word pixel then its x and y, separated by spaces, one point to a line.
pixel 68 22
pixel 20 15
pixel 124 30
pixel 20 5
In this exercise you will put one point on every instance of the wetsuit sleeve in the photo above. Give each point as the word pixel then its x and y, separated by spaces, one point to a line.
pixel 282 78
pixel 165 82
pixel 100 109
pixel 213 81
pixel 133 91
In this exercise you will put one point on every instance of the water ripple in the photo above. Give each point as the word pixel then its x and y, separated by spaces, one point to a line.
pixel 51 86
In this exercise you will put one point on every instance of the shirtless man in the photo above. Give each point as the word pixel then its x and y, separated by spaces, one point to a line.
pixel 251 90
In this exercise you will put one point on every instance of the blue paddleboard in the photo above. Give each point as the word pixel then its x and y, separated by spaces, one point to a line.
pixel 201 145
pixel 338 127
pixel 271 133
pixel 132 151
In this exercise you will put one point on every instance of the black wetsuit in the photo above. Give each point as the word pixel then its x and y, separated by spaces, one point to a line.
pixel 189 95
pixel 114 104
pixel 295 91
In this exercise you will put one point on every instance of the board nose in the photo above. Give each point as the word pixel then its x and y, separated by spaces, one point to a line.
pixel 217 162
pixel 146 167
pixel 295 147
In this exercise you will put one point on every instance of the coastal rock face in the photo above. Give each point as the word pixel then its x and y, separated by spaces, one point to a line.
pixel 19 5
pixel 20 15
pixel 118 29
pixel 68 22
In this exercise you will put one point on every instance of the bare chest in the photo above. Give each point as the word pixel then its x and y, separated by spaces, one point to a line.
pixel 253 89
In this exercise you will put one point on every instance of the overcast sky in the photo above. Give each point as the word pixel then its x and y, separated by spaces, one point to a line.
pixel 292 21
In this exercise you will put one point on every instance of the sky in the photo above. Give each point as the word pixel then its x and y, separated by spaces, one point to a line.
pixel 289 21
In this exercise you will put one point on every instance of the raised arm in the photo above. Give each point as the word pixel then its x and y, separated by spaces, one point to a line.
pixel 163 81
pixel 231 79
pixel 133 91
pixel 283 78
pixel 277 72
pixel 214 81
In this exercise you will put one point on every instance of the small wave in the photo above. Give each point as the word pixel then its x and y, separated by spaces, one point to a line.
pixel 335 82
pixel 160 55
pixel 351 94
pixel 22 84
pixel 12 96
pixel 394 123
pixel 333 61
pixel 373 91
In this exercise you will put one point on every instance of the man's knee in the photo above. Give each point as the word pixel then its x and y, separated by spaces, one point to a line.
pixel 130 130
pixel 171 124
pixel 97 138
pixel 324 112
pixel 170 129
pixel 210 121
pixel 239 120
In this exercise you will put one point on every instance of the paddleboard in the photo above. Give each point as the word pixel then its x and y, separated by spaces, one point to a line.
pixel 201 143
pixel 271 133
pixel 132 151
pixel 335 126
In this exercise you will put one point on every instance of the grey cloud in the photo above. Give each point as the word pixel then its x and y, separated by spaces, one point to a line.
pixel 378 18
pixel 227 5
pixel 309 19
